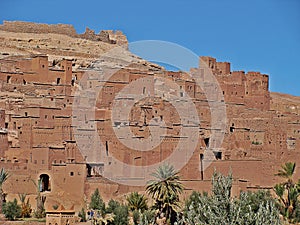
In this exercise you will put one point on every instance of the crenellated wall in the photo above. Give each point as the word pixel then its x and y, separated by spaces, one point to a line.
pixel 251 89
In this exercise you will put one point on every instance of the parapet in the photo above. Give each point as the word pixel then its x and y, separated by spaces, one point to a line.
pixel 109 36
pixel 29 27
pixel 217 67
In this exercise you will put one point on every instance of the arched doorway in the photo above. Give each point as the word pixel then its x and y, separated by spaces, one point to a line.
pixel 45 184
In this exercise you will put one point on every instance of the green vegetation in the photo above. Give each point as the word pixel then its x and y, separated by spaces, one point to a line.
pixel 220 208
pixel 82 215
pixel 165 190
pixel 114 214
pixel 11 210
pixel 3 177
pixel 97 202
pixel 25 206
pixel 288 193
pixel 137 202
pixel 40 201
pixel 256 143
pixel 120 212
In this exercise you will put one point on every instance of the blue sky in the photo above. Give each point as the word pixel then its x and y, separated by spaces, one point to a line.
pixel 256 35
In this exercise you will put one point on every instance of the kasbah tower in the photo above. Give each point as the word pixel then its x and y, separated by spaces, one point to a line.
pixel 43 66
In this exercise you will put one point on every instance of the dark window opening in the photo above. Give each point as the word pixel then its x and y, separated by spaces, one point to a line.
pixel 232 129
pixel 106 147
pixel 89 170
pixel 26 114
pixel 43 66
pixel 58 81
pixel 206 141
pixel 6 125
pixel 8 79
pixel 201 156
pixel 71 174
pixel 24 82
pixel 72 82
pixel 45 183
pixel 201 166
pixel 161 118
pixel 218 155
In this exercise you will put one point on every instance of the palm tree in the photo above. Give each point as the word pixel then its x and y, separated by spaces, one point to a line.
pixel 288 192
pixel 3 177
pixel 25 206
pixel 40 200
pixel 287 171
pixel 136 201
pixel 165 189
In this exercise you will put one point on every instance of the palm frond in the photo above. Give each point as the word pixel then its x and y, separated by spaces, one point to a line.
pixel 287 170
pixel 4 175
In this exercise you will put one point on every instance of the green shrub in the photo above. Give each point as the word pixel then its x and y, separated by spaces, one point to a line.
pixel 11 210
pixel 82 215
pixel 97 202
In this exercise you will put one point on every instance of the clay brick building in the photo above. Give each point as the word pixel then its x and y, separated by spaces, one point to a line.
pixel 38 138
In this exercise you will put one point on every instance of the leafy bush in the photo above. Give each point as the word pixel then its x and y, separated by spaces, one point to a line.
pixel 147 217
pixel 82 215
pixel 97 202
pixel 119 211
pixel 11 210
pixel 220 208
pixel 55 207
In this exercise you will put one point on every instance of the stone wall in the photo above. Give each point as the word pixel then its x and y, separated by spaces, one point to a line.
pixel 109 36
